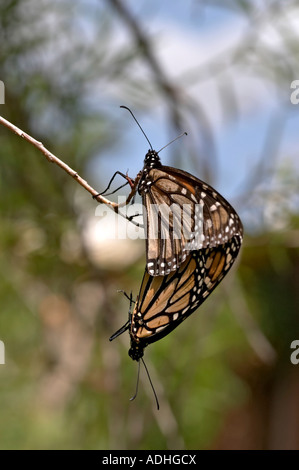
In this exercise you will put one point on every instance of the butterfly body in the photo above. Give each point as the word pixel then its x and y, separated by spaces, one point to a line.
pixel 151 160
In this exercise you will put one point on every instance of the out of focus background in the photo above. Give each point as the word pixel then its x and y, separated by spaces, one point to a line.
pixel 223 72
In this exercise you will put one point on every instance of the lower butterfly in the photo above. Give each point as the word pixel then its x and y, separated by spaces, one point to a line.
pixel 165 301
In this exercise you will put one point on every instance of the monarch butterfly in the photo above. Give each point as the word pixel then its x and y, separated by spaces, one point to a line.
pixel 164 302
pixel 182 213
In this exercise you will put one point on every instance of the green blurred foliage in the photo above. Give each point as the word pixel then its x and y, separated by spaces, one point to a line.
pixel 64 386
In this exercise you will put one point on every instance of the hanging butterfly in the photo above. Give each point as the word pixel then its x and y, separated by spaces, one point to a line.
pixel 182 213
pixel 165 301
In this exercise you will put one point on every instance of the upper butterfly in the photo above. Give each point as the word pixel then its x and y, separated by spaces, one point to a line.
pixel 182 213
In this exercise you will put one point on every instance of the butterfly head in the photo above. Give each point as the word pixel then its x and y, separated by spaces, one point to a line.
pixel 136 352
pixel 152 159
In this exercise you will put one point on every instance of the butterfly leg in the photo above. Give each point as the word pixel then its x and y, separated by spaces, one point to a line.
pixel 131 217
pixel 120 331
pixel 130 200
pixel 129 181
pixel 112 192
pixel 129 297
pixel 127 325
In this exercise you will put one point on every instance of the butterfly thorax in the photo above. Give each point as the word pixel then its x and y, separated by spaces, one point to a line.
pixel 151 160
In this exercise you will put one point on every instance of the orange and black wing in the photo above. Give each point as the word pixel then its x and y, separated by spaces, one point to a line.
pixel 165 301
pixel 183 214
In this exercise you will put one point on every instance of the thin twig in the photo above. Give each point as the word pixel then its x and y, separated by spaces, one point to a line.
pixel 53 159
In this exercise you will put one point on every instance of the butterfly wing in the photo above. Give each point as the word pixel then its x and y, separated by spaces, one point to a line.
pixel 165 301
pixel 183 214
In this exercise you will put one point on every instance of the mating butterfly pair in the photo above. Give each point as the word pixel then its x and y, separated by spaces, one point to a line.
pixel 187 257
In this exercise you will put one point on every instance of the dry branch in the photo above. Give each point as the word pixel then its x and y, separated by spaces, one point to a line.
pixel 53 159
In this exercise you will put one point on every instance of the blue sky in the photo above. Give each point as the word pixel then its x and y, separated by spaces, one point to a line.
pixel 184 41
pixel 187 35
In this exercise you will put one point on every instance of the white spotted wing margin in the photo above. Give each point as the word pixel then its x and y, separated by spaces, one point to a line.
pixel 165 301
pixel 174 232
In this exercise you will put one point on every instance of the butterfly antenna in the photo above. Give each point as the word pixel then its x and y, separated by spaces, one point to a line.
pixel 128 109
pixel 150 381
pixel 178 137
pixel 137 383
